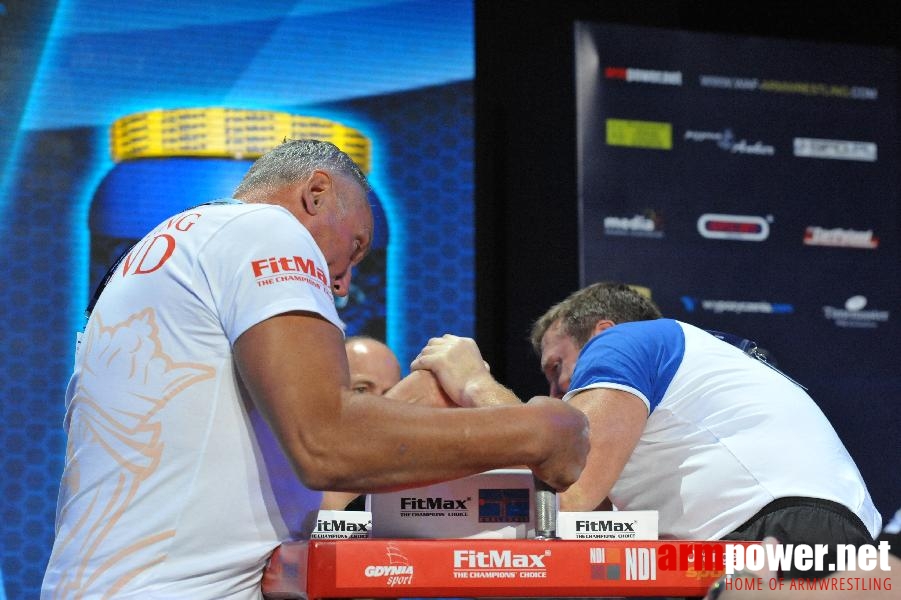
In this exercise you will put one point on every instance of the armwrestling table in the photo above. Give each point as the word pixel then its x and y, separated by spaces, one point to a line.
pixel 493 568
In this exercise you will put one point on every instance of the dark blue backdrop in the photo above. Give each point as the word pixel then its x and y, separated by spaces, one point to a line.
pixel 709 196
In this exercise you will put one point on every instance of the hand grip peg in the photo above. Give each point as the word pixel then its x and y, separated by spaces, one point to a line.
pixel 545 511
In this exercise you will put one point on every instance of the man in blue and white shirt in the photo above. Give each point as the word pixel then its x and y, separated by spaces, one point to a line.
pixel 682 422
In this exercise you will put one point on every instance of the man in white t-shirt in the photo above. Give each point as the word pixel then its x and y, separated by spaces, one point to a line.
pixel 682 422
pixel 215 351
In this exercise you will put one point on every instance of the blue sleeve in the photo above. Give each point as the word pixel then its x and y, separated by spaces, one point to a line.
pixel 639 357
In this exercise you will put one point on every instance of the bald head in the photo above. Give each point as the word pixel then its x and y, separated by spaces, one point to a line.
pixel 373 366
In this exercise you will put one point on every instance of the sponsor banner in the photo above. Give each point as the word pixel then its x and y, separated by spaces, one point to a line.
pixel 855 314
pixel 777 86
pixel 608 525
pixel 652 76
pixel 761 307
pixel 746 228
pixel 840 238
pixel 342 525
pixel 647 225
pixel 653 135
pixel 727 141
pixel 834 149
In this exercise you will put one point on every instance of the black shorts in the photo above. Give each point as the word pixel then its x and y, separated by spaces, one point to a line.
pixel 809 521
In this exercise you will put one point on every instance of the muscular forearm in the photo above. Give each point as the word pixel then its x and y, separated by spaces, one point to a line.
pixel 485 391
pixel 402 445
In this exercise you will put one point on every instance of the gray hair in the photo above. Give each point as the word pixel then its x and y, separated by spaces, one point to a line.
pixel 294 160
pixel 581 311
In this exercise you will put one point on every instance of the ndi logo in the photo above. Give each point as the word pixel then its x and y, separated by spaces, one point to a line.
pixel 631 564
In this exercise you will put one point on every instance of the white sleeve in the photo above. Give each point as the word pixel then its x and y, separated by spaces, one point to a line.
pixel 264 263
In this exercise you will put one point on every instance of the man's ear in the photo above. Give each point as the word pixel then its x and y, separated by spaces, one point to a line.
pixel 313 193
pixel 601 326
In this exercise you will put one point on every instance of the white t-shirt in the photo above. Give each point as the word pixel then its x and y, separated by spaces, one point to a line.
pixel 725 435
pixel 168 492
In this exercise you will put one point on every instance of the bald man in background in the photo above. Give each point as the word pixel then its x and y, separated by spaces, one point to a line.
pixel 374 369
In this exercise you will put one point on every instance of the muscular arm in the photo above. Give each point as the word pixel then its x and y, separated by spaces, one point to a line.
pixel 616 419
pixel 294 368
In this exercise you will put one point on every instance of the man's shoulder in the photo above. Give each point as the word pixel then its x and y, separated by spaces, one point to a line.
pixel 240 216
pixel 652 329
pixel 641 337
pixel 229 209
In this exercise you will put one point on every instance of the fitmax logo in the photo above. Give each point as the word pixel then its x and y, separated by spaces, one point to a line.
pixel 497 559
pixel 413 503
pixel 614 526
pixel 339 525
pixel 268 267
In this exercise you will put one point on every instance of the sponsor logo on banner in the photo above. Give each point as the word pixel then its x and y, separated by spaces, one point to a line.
pixel 342 524
pixel 499 564
pixel 272 270
pixel 631 564
pixel 775 86
pixel 632 75
pixel 736 306
pixel 840 238
pixel 728 142
pixel 854 314
pixel 747 228
pixel 835 149
pixel 608 525
pixel 504 505
pixel 725 82
pixel 397 571
pixel 648 225
pixel 652 135
pixel 644 563
pixel 432 506
pixel 606 563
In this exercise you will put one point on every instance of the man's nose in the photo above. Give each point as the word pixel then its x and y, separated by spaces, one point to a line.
pixel 556 391
pixel 341 284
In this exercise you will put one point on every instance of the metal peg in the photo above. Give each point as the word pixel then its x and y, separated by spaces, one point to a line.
pixel 545 511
